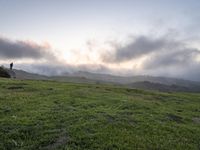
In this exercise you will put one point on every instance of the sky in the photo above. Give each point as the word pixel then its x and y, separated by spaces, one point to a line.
pixel 120 37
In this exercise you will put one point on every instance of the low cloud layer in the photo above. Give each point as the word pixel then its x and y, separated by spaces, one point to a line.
pixel 23 50
pixel 62 69
pixel 177 58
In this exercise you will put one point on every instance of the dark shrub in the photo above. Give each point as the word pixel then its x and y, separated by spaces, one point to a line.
pixel 4 73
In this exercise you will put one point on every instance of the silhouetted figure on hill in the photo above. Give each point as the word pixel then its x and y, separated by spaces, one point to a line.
pixel 11 66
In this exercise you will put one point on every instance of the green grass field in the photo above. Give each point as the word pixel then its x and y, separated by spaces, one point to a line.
pixel 51 115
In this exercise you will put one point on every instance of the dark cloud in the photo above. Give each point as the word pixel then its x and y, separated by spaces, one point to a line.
pixel 23 49
pixel 140 46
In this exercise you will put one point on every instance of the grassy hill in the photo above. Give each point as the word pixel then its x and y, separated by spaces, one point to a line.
pixel 55 115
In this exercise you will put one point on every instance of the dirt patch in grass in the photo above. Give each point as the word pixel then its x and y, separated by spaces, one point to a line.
pixel 61 140
pixel 196 120
pixel 175 118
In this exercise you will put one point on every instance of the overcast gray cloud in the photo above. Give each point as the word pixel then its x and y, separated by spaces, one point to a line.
pixel 164 56
pixel 160 52
pixel 140 46
pixel 23 49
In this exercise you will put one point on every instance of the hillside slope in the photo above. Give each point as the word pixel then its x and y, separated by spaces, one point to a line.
pixel 55 115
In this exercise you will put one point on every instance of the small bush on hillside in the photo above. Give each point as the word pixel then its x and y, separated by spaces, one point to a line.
pixel 4 73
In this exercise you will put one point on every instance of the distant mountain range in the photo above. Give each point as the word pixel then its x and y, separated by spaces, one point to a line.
pixel 142 82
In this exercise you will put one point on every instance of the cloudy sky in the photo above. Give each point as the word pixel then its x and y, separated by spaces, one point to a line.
pixel 121 37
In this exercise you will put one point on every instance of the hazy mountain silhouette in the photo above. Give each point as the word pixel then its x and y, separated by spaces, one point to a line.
pixel 143 82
